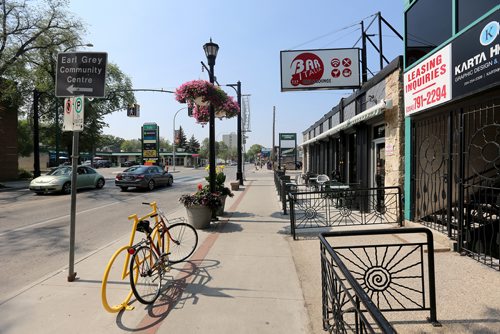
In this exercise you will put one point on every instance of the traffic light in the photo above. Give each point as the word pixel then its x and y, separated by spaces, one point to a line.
pixel 133 110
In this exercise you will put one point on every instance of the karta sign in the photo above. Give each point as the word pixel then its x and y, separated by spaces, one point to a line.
pixel 319 69
pixel 476 57
pixel 429 83
pixel 150 141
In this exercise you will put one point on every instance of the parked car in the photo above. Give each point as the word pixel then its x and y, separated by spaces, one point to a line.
pixel 128 163
pixel 59 180
pixel 141 176
pixel 102 163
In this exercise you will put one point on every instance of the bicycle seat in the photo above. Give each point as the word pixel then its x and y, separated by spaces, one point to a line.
pixel 143 226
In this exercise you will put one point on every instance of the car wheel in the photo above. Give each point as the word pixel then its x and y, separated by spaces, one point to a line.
pixel 170 181
pixel 151 185
pixel 100 184
pixel 66 188
pixel 124 188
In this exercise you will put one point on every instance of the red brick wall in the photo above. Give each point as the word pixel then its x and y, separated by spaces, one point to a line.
pixel 8 144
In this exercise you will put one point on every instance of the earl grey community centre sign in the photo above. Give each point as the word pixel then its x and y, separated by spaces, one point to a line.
pixel 81 73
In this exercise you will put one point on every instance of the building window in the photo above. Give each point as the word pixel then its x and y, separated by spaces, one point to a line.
pixel 428 24
pixel 469 11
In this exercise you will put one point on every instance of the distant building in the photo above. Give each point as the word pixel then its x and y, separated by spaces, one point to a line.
pixel 231 140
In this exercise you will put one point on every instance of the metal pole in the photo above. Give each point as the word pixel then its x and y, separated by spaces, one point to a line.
pixel 173 142
pixel 272 150
pixel 239 172
pixel 74 172
pixel 364 65
pixel 57 134
pixel 36 135
pixel 211 161
pixel 173 147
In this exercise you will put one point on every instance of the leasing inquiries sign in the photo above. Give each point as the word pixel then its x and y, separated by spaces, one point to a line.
pixel 429 83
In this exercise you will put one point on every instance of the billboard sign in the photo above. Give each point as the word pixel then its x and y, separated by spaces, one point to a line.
pixel 320 69
pixel 429 83
pixel 150 141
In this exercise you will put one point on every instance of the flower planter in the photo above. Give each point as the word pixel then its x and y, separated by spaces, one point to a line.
pixel 199 216
pixel 220 209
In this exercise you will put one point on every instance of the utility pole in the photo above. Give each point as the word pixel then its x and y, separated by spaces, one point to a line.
pixel 36 134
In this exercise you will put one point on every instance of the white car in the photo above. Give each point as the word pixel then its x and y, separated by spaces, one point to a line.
pixel 59 180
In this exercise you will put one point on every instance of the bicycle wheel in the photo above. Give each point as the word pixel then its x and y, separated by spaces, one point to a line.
pixel 112 288
pixel 183 242
pixel 145 275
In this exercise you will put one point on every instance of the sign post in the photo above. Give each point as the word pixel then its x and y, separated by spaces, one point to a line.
pixel 78 75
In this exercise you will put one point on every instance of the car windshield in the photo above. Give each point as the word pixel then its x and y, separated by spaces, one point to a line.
pixel 60 171
pixel 136 169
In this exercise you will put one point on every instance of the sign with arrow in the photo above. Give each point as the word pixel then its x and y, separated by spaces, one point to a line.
pixel 81 73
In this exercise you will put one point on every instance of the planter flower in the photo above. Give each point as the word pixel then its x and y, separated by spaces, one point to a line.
pixel 199 206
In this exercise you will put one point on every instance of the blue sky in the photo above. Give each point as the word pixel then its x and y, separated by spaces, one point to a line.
pixel 159 44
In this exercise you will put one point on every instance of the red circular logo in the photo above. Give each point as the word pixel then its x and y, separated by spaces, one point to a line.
pixel 307 69
pixel 335 73
pixel 346 62
pixel 335 62
pixel 346 72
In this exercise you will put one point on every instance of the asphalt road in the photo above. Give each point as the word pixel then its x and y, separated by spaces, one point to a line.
pixel 34 230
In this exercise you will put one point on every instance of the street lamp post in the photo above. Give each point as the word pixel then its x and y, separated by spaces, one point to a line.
pixel 211 50
pixel 239 171
pixel 173 142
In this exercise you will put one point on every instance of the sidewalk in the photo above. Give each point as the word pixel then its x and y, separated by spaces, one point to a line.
pixel 247 276
pixel 241 279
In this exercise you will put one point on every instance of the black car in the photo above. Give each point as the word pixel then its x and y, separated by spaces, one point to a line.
pixel 102 163
pixel 141 176
pixel 128 163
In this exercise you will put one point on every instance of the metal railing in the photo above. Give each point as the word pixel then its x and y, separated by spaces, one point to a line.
pixel 359 282
pixel 345 207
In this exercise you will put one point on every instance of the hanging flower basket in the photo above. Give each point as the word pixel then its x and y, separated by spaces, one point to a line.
pixel 200 94
pixel 228 109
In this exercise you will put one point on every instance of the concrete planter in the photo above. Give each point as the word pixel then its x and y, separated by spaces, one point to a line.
pixel 220 209
pixel 199 216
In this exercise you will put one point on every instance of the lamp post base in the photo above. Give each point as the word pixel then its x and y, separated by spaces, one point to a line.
pixel 239 177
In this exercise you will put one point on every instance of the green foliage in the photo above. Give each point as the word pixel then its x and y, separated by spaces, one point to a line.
pixel 24 138
pixel 202 197
pixel 133 145
pixel 193 146
pixel 253 150
pixel 24 174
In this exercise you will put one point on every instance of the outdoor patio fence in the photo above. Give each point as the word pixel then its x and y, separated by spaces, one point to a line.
pixel 361 282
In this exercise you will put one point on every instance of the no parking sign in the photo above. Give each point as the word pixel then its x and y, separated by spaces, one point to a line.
pixel 73 113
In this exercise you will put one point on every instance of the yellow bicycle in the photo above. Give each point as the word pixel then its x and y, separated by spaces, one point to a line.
pixel 175 239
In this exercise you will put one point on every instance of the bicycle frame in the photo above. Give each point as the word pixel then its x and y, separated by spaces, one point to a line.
pixel 155 236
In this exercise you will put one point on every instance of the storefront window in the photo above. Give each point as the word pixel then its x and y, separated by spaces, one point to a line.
pixel 469 11
pixel 428 24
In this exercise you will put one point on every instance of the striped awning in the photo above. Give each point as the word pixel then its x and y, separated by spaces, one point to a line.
pixel 365 115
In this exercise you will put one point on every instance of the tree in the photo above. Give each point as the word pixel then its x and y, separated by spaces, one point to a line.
pixel 221 150
pixel 29 27
pixel 165 145
pixel 181 137
pixel 133 145
pixel 24 138
pixel 193 146
pixel 253 150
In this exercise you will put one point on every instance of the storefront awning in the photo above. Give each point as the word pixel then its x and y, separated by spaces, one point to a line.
pixel 367 114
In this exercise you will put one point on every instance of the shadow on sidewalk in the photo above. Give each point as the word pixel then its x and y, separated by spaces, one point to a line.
pixel 190 282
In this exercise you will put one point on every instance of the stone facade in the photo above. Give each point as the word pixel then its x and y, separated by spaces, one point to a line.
pixel 394 131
